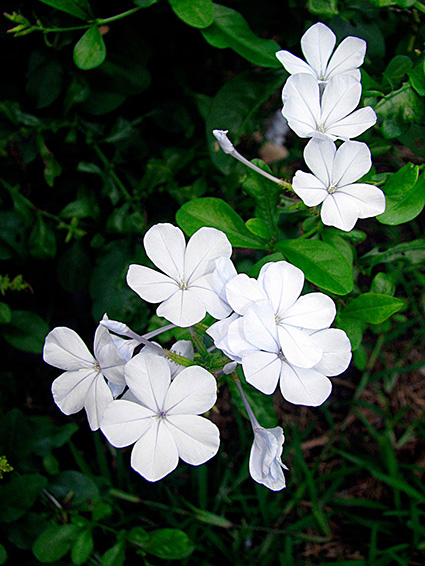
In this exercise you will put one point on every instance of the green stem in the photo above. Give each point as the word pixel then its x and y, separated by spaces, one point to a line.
pixel 419 6
pixel 110 169
pixel 98 22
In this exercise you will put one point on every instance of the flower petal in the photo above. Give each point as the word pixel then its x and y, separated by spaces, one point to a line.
pixel 193 391
pixel 155 455
pixel 242 292
pixel 298 347
pixel 294 65
pixel 197 439
pixel 265 465
pixel 341 96
pixel 317 44
pixel 353 125
pixel 183 348
pixel 97 399
pixel 319 156
pixel 339 210
pixel 221 333
pixel 149 284
pixel 369 199
pixel 183 309
pixel 302 104
pixel 165 246
pixel 148 376
pixel 352 161
pixel 215 305
pixel 314 310
pixel 70 389
pixel 262 370
pixel 259 327
pixel 348 56
pixel 283 283
pixel 108 357
pixel 304 386
pixel 336 351
pixel 308 187
pixel 64 349
pixel 203 248
pixel 124 422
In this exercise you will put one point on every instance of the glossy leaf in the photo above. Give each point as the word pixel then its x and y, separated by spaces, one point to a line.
pixel 404 206
pixel 78 8
pixel 54 542
pixel 373 308
pixel 169 544
pixel 196 13
pixel 90 51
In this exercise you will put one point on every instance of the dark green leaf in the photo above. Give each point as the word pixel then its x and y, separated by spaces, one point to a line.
pixel 169 544
pixel 397 69
pixel 76 486
pixel 90 51
pixel 259 228
pixel 82 547
pixel 3 555
pixel 412 252
pixel 54 542
pixel 383 283
pixel 230 29
pixel 373 308
pixel 353 328
pixel 11 235
pixel 78 8
pixel 26 331
pixel 44 79
pixel 398 110
pixel 42 241
pixel 19 495
pixel 218 214
pixel 405 205
pixel 145 3
pixel 115 555
pixel 5 313
pixel 196 13
pixel 322 264
pixel 326 8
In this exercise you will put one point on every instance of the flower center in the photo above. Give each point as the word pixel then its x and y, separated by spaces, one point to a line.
pixel 183 285
pixel 332 188
pixel 321 128
pixel 162 415
pixel 277 319
pixel 96 367
pixel 281 356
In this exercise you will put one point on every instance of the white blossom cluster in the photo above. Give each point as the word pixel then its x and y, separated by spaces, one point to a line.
pixel 147 399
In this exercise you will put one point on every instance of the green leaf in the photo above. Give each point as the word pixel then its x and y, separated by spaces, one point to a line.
pixel 373 308
pixel 169 544
pixel 417 77
pixel 218 214
pixel 334 238
pixel 353 328
pixel 90 51
pixel 11 230
pixel 26 331
pixel 397 69
pixel 44 78
pixel 398 110
pixel 407 203
pixel 54 542
pixel 76 486
pixel 3 555
pixel 82 547
pixel 401 182
pixel 74 267
pixel 42 240
pixel 145 3
pixel 78 8
pixel 326 8
pixel 259 228
pixel 322 264
pixel 5 313
pixel 115 555
pixel 196 13
pixel 19 495
pixel 383 283
pixel 413 252
pixel 210 518
pixel 230 29
pixel 234 106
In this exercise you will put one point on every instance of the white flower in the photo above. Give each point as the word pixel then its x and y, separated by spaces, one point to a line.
pixel 330 115
pixel 185 290
pixel 165 424
pixel 223 141
pixel 83 383
pixel 331 184
pixel 317 45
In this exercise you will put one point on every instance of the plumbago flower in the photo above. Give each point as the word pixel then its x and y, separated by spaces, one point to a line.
pixel 184 289
pixel 331 183
pixel 317 45
pixel 83 383
pixel 329 115
pixel 164 425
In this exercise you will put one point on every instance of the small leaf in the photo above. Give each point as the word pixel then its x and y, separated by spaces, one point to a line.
pixel 83 547
pixel 78 8
pixel 259 228
pixel 5 313
pixel 90 51
pixel 413 252
pixel 404 206
pixel 196 13
pixel 115 555
pixel 326 8
pixel 54 542
pixel 373 308
pixel 19 495
pixel 398 110
pixel 3 555
pixel 218 214
pixel 169 544
pixel 42 240
pixel 26 331
pixel 397 68
pixel 383 284
pixel 322 264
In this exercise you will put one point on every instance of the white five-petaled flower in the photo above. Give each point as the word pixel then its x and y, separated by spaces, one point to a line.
pixel 317 45
pixel 165 424
pixel 329 115
pixel 83 383
pixel 184 289
pixel 332 183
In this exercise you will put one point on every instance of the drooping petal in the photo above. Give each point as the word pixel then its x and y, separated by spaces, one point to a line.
pixel 149 284
pixel 283 283
pixel 304 386
pixel 216 306
pixel 197 439
pixel 298 347
pixel 352 161
pixel 193 391
pixel 70 389
pixel 97 399
pixel 155 455
pixel 353 125
pixel 265 465
pixel 308 187
pixel 165 246
pixel 370 200
pixel 302 104
pixel 317 44
pixel 203 248
pixel 319 156
pixel 341 96
pixel 314 310
pixel 336 351
pixel 259 327
pixel 183 309
pixel 124 422
pixel 339 210
pixel 262 370
pixel 242 292
pixel 348 56
pixel 64 349
pixel 148 376
pixel 293 64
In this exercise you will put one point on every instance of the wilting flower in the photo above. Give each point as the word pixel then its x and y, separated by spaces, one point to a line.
pixel 317 45
pixel 165 423
pixel 332 183
pixel 331 116
pixel 83 383
pixel 185 290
